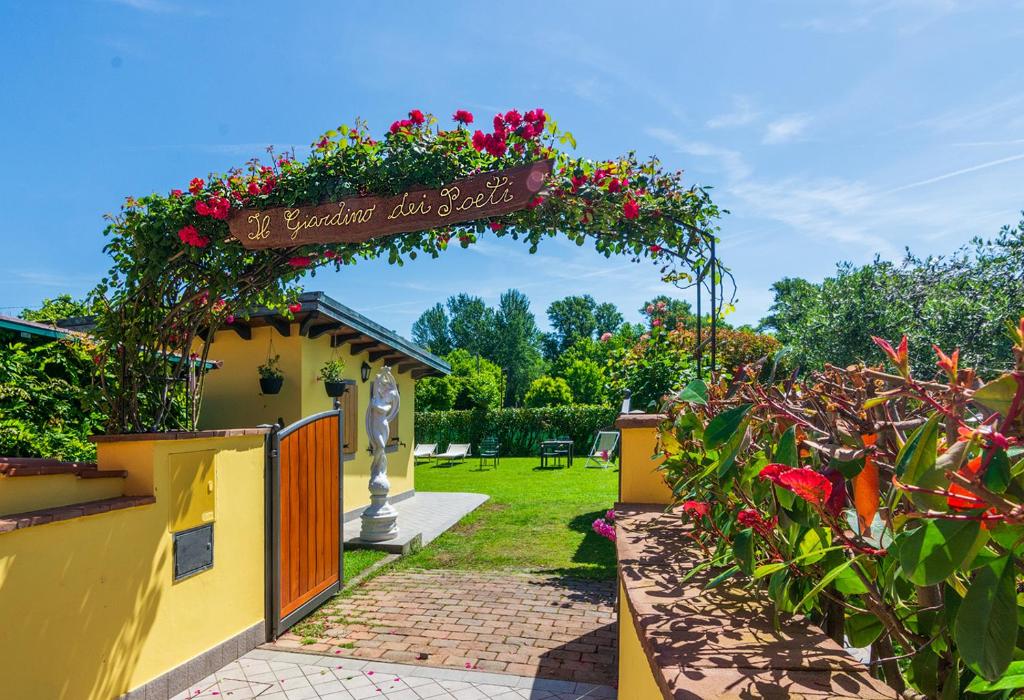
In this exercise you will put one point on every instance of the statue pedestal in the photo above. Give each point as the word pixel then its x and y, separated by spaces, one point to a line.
pixel 379 521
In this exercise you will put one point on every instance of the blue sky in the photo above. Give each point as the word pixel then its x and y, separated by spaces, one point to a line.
pixel 831 130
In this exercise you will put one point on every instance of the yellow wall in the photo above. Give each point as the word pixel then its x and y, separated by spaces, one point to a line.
pixel 89 607
pixel 19 494
pixel 640 480
pixel 232 400
pixel 636 678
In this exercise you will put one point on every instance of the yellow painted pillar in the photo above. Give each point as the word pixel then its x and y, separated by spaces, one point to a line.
pixel 639 478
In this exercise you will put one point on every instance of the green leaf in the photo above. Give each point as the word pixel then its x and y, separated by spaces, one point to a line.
pixel 997 395
pixel 694 392
pixel 862 629
pixel 743 550
pixel 813 545
pixel 918 453
pixel 785 451
pixel 768 569
pixel 986 624
pixel 932 551
pixel 825 580
pixel 997 475
pixel 723 426
pixel 848 469
pixel 849 583
pixel 728 573
pixel 1012 679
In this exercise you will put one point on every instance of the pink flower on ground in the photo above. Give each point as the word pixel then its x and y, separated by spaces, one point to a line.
pixel 610 515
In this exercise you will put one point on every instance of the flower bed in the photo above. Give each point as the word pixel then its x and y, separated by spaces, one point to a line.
pixel 886 506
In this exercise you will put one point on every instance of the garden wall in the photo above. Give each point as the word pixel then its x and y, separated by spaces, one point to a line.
pixel 519 430
pixel 89 603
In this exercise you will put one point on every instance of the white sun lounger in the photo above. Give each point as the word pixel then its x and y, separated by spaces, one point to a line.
pixel 456 452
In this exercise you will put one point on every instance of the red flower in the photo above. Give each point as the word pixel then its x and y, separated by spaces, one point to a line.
pixel 201 208
pixel 535 202
pixel 479 140
pixel 630 209
pixel 495 225
pixel 960 497
pixel 176 193
pixel 322 143
pixel 463 117
pixel 230 319
pixel 837 499
pixel 656 322
pixel 527 131
pixel 513 118
pixel 253 188
pixel 750 518
pixel 771 472
pixel 300 261
pixel 499 124
pixel 295 307
pixel 696 508
pixel 578 181
pixel 496 145
pixel 330 254
pixel 190 236
pixel 614 185
pixel 655 249
pixel 416 116
pixel 196 186
pixel 807 484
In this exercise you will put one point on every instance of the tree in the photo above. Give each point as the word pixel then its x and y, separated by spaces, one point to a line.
pixel 435 394
pixel 548 391
pixel 471 324
pixel 431 330
pixel 516 346
pixel 478 383
pixel 60 307
pixel 958 301
pixel 607 318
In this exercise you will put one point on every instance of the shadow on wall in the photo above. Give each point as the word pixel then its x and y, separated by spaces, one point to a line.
pixel 78 599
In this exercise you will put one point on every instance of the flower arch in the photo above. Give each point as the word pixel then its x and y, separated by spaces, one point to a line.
pixel 178 274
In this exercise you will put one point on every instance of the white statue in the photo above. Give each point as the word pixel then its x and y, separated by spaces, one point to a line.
pixel 380 519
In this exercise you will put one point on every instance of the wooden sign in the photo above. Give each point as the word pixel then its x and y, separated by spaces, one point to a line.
pixel 359 219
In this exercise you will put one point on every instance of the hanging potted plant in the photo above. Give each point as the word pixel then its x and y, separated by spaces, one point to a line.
pixel 271 376
pixel 331 376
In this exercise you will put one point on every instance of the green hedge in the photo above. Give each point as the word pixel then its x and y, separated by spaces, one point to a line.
pixel 519 430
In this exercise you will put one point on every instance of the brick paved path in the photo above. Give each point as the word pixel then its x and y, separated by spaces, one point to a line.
pixel 547 627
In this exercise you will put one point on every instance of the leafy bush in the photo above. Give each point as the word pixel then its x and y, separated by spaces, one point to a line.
pixel 548 391
pixel 889 507
pixel 48 405
pixel 519 430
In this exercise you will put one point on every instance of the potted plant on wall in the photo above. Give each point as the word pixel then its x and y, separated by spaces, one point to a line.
pixel 331 376
pixel 271 376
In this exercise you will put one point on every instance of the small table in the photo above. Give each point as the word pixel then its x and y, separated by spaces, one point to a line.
pixel 556 449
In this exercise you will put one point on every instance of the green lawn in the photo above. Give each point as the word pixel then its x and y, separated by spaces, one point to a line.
pixel 357 560
pixel 536 520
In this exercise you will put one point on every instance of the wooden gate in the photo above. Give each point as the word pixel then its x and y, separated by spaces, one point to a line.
pixel 304 518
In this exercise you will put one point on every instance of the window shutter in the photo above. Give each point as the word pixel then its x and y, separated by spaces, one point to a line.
pixel 350 432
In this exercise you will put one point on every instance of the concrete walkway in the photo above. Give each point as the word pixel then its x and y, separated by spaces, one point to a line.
pixel 279 675
pixel 426 515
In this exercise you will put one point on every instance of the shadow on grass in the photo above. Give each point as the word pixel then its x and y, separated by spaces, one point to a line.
pixel 595 556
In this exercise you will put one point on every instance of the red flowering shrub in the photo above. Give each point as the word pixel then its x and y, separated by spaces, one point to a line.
pixel 890 506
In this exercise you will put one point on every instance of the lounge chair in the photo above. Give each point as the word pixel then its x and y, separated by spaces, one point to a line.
pixel 424 451
pixel 602 452
pixel 456 452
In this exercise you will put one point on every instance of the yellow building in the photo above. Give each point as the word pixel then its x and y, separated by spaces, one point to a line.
pixel 321 330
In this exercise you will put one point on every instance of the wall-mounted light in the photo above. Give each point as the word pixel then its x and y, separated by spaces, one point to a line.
pixel 364 371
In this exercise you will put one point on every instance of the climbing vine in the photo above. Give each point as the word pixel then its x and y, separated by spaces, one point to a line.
pixel 178 276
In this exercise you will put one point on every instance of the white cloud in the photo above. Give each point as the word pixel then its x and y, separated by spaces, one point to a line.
pixel 730 161
pixel 956 173
pixel 786 129
pixel 743 113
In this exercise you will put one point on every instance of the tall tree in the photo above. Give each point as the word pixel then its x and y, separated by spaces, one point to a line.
pixel 571 318
pixel 517 350
pixel 471 324
pixel 607 318
pixel 431 330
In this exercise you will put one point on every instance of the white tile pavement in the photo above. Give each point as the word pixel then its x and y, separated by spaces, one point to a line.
pixel 428 513
pixel 265 674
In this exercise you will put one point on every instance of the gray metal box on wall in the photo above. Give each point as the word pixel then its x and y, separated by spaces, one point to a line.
pixel 193 551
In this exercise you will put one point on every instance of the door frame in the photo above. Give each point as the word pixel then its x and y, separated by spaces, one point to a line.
pixel 275 624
